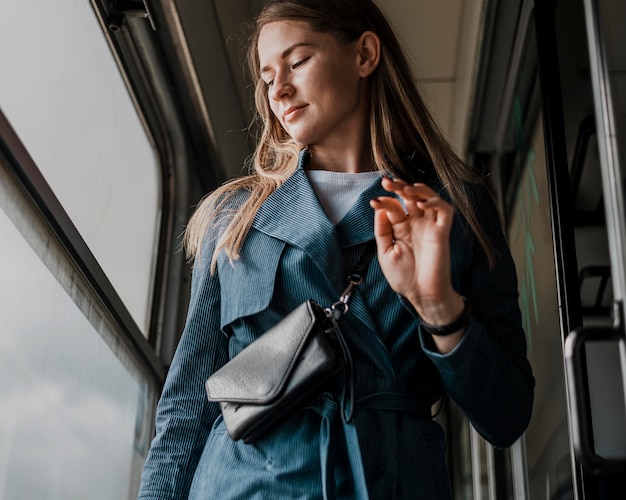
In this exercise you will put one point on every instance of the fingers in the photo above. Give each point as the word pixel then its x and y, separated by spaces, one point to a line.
pixel 420 200
pixel 409 192
pixel 427 203
pixel 383 232
pixel 392 207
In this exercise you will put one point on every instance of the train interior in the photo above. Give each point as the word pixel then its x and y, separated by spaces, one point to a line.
pixel 117 117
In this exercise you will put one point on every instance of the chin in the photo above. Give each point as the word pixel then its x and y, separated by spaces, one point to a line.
pixel 303 138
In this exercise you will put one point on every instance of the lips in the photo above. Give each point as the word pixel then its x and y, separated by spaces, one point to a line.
pixel 292 111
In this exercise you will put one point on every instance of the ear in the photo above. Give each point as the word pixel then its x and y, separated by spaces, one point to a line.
pixel 368 49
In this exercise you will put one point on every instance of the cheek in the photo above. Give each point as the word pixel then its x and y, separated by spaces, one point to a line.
pixel 273 105
pixel 275 112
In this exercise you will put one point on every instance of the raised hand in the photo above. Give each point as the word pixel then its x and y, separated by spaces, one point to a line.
pixel 413 240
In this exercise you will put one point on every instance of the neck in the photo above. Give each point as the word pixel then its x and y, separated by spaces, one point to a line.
pixel 341 159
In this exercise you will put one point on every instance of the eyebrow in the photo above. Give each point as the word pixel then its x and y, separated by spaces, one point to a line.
pixel 285 53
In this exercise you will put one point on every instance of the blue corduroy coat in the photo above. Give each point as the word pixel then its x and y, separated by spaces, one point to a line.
pixel 294 253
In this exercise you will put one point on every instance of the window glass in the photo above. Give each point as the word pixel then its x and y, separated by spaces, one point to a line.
pixel 64 95
pixel 76 409
pixel 530 237
pixel 460 452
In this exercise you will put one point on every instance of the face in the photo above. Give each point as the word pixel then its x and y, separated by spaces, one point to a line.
pixel 315 84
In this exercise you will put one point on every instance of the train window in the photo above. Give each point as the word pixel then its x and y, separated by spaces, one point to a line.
pixel 76 413
pixel 65 97
pixel 530 237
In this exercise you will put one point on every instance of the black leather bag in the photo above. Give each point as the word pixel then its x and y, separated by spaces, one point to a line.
pixel 281 370
pixel 287 366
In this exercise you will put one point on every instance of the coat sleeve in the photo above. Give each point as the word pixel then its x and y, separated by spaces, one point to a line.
pixel 184 416
pixel 488 374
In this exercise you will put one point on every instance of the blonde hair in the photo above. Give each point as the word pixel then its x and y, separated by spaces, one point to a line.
pixel 400 124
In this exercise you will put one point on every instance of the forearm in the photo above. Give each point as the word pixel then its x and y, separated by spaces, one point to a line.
pixel 494 391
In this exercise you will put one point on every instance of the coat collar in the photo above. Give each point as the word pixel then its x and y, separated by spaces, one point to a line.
pixel 294 214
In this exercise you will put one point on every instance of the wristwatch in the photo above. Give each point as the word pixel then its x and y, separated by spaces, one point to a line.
pixel 453 327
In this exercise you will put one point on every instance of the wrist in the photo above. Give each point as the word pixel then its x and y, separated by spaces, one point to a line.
pixel 443 326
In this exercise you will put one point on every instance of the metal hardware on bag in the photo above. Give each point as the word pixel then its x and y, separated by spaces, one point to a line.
pixel 334 313
pixel 346 295
pixel 354 280
pixel 340 307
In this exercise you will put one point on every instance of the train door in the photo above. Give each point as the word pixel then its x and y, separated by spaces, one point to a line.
pixel 595 353
pixel 581 61
pixel 549 124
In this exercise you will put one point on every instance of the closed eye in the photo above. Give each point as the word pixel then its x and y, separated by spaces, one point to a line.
pixel 265 83
pixel 295 65
pixel 299 63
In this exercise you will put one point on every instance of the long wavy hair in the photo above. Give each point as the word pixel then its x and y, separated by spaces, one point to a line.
pixel 399 124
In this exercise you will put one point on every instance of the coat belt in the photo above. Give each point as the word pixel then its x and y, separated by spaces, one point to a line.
pixel 329 409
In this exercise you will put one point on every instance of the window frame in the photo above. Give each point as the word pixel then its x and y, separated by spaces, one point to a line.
pixel 21 165
pixel 138 50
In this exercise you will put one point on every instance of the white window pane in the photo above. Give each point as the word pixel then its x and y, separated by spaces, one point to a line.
pixel 62 92
pixel 76 409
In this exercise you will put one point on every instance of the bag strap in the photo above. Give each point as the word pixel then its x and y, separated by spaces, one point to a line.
pixel 355 278
pixel 334 313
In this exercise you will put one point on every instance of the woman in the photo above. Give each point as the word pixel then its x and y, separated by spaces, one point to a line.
pixel 340 109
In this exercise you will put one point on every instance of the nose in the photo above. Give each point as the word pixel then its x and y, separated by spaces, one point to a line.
pixel 281 87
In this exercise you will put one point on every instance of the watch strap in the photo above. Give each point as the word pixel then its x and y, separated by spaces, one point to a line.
pixel 461 322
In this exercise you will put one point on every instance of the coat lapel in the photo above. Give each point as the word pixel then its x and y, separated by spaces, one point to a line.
pixel 294 214
pixel 358 224
pixel 357 227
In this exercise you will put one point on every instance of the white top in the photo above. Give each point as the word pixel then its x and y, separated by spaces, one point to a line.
pixel 338 191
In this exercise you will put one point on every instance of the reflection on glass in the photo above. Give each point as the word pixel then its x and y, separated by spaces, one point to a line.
pixel 72 424
pixel 460 452
pixel 530 238
pixel 612 16
pixel 606 399
pixel 605 373
pixel 481 467
pixel 63 94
